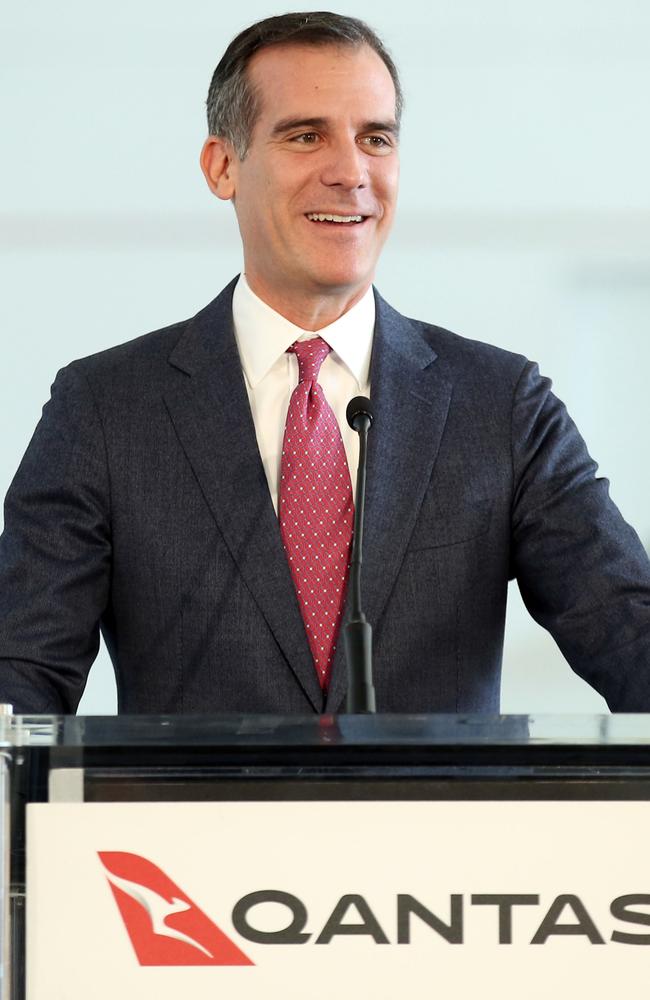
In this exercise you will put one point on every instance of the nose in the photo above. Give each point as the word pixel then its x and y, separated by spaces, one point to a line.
pixel 345 166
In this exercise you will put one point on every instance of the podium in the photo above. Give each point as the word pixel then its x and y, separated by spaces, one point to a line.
pixel 349 856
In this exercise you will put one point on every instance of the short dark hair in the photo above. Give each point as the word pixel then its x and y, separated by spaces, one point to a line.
pixel 233 104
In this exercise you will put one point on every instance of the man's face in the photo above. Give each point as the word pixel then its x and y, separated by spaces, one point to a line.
pixel 324 144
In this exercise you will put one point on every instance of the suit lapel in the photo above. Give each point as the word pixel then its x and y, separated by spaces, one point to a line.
pixel 410 402
pixel 209 407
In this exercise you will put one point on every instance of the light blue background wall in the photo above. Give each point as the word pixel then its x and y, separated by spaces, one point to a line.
pixel 524 221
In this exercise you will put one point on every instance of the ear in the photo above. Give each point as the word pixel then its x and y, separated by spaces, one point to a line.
pixel 219 166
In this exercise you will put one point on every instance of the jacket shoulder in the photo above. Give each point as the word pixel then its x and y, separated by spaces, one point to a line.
pixel 145 350
pixel 464 354
pixel 200 333
pixel 459 357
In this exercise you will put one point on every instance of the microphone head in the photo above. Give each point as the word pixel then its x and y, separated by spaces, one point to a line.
pixel 358 408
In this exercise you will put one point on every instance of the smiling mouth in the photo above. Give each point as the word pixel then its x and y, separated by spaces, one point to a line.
pixel 339 220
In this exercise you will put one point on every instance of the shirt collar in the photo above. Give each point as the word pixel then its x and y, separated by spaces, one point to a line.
pixel 263 335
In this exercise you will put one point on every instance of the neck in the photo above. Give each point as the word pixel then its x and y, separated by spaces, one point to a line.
pixel 309 312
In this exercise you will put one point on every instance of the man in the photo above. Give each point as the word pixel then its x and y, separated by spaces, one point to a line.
pixel 185 491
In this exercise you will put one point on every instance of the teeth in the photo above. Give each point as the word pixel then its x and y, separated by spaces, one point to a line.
pixel 320 217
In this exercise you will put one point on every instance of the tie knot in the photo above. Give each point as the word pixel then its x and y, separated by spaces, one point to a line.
pixel 310 354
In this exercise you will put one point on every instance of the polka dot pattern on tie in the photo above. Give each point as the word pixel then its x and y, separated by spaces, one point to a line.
pixel 315 507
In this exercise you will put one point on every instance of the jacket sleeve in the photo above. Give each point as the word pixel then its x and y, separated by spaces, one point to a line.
pixel 582 570
pixel 55 555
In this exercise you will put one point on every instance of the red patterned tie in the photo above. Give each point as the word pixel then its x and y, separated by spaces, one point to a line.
pixel 315 508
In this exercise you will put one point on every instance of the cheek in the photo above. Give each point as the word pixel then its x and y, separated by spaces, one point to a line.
pixel 387 184
pixel 252 192
pixel 255 211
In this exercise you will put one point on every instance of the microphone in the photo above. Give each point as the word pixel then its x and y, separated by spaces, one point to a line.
pixel 357 634
pixel 359 414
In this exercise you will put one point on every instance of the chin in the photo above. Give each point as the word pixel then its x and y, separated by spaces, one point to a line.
pixel 342 279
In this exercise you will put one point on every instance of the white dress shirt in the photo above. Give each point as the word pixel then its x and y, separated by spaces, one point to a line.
pixel 271 375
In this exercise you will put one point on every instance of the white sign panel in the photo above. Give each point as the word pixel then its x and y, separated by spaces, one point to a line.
pixel 318 900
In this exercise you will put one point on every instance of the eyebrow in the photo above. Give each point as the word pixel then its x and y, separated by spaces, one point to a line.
pixel 288 124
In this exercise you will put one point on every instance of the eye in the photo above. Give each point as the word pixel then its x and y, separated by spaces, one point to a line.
pixel 306 138
pixel 376 143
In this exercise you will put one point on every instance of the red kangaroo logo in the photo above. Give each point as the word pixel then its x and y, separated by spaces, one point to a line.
pixel 165 926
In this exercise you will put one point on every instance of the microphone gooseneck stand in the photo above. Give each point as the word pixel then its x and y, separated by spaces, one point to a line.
pixel 357 634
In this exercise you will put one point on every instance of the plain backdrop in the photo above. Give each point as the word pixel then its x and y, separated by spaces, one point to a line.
pixel 524 212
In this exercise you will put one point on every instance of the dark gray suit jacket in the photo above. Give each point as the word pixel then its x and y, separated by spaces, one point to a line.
pixel 142 506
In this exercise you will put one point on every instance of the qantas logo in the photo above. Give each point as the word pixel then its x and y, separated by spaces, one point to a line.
pixel 165 926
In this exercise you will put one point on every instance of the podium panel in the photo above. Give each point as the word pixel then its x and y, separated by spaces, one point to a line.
pixel 284 858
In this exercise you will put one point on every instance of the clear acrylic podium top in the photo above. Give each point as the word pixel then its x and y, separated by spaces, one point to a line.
pixel 346 732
